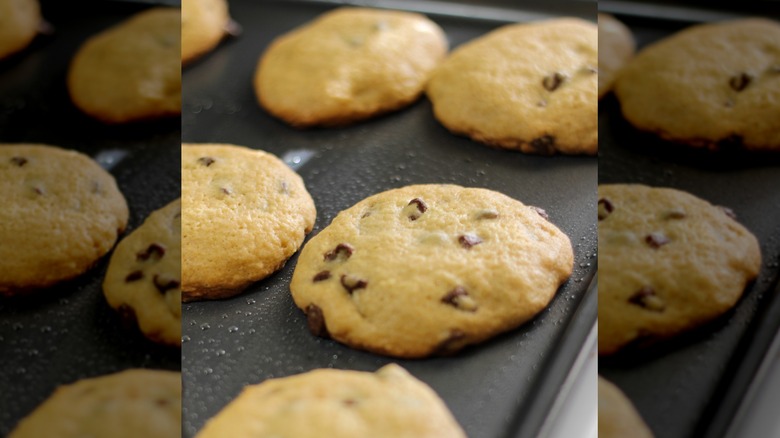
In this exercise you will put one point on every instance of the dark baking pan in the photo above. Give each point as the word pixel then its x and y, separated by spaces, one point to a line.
pixel 69 332
pixel 691 386
pixel 502 388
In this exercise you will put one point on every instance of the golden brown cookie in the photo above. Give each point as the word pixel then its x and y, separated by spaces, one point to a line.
pixel 616 47
pixel 61 212
pixel 143 282
pixel 244 213
pixel 131 71
pixel 389 403
pixel 530 87
pixel 203 25
pixel 715 86
pixel 668 262
pixel 348 65
pixel 19 23
pixel 428 269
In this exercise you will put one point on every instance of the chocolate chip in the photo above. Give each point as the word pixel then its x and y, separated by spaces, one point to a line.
pixel 321 276
pixel 675 214
pixel 127 316
pixel 656 240
pixel 19 161
pixel 133 276
pixel 469 240
pixel 740 82
pixel 38 190
pixel 165 283
pixel 543 145
pixel 415 209
pixel 729 212
pixel 206 161
pixel 316 321
pixel 342 252
pixel 226 191
pixel 349 402
pixel 154 252
pixel 647 299
pixel 460 298
pixel 487 214
pixel 451 344
pixel 605 208
pixel 541 212
pixel 553 81
pixel 352 283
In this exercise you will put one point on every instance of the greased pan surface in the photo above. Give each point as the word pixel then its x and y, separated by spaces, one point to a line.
pixel 69 332
pixel 501 388
pixel 691 386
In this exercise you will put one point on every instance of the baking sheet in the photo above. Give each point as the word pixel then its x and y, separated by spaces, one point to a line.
pixel 503 388
pixel 69 332
pixel 692 386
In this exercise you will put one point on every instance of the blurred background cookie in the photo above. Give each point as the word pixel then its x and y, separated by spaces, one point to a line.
pixel 348 65
pixel 203 25
pixel 19 23
pixel 529 87
pixel 617 416
pixel 131 71
pixel 61 213
pixel 616 47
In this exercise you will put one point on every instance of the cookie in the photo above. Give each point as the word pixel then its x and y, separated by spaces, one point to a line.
pixel 668 262
pixel 128 404
pixel 617 416
pixel 348 65
pixel 336 403
pixel 19 23
pixel 203 25
pixel 616 47
pixel 714 86
pixel 131 71
pixel 529 87
pixel 428 269
pixel 143 281
pixel 244 213
pixel 61 213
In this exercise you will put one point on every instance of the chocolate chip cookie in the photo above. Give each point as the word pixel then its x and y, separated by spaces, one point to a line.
pixel 428 269
pixel 617 416
pixel 244 213
pixel 668 262
pixel 348 65
pixel 389 403
pixel 616 47
pixel 131 71
pixel 143 282
pixel 529 87
pixel 61 212
pixel 714 86
pixel 19 23
pixel 129 404
pixel 203 25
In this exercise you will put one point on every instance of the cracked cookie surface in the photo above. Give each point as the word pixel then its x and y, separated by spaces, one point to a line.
pixel 668 262
pixel 132 403
pixel 389 403
pixel 143 281
pixel 244 213
pixel 530 87
pixel 61 213
pixel 428 269
pixel 348 65
pixel 715 86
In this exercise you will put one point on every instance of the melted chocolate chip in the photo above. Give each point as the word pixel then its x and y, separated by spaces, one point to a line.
pixel 543 145
pixel 421 205
pixel 127 316
pixel 343 251
pixel 656 240
pixel 553 81
pixel 352 283
pixel 541 212
pixel 154 252
pixel 316 321
pixel 605 208
pixel 349 402
pixel 206 161
pixel 469 240
pixel 226 191
pixel 647 299
pixel 460 298
pixel 164 283
pixel 729 212
pixel 321 276
pixel 415 209
pixel 740 82
pixel 134 276
pixel 19 161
